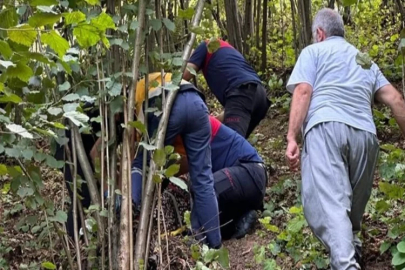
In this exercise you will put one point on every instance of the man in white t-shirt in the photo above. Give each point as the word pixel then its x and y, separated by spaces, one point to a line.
pixel 332 100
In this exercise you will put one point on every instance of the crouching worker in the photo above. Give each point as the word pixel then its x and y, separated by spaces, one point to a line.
pixel 240 179
pixel 189 119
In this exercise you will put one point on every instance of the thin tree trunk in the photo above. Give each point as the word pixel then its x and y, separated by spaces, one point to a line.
pixel 150 185
pixel 331 4
pixel 401 10
pixel 259 6
pixel 217 18
pixel 264 36
pixel 248 25
pixel 233 24
pixel 304 11
pixel 293 13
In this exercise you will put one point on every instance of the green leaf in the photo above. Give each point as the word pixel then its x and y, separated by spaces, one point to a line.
pixel 13 152
pixel 53 163
pixel 48 265
pixel 347 3
pixel 223 257
pixel 178 182
pixel 157 178
pixel 103 22
pixel 7 64
pixel 401 246
pixel 54 111
pixel 169 149
pixel 384 247
pixel 41 19
pixel 23 34
pixel 213 45
pixel 56 42
pixel 78 118
pixel 20 71
pixel 172 170
pixel 17 129
pixel 364 60
pixel 156 24
pixel 148 146
pixel 93 2
pixel 195 252
pixel 71 97
pixel 177 61
pixel 74 17
pixel 392 191
pixel 86 35
pixel 186 14
pixel 8 18
pixel 169 24
pixel 198 30
pixel 64 87
pixel 115 89
pixel 116 104
pixel 398 259
pixel 134 25
pixel 25 191
pixel 3 169
pixel 192 71
pixel 5 49
pixel 35 3
pixel 27 154
pixel 295 210
pixel 159 157
pixel 138 125
pixel 269 264
pixel 60 217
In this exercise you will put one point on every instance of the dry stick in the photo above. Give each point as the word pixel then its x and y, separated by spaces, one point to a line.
pixel 176 207
pixel 65 245
pixel 80 207
pixel 101 106
pixel 124 245
pixel 89 177
pixel 167 239
pixel 150 186
pixel 149 236
pixel 294 28
pixel 145 136
pixel 158 213
pixel 75 227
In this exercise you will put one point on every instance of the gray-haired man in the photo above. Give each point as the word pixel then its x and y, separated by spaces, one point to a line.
pixel 332 99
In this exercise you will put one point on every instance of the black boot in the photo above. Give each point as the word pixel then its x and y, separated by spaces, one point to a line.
pixel 245 224
pixel 358 257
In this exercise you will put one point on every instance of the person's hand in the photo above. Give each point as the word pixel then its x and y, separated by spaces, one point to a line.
pixel 292 155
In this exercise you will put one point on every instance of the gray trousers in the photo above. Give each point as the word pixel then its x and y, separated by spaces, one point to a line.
pixel 338 163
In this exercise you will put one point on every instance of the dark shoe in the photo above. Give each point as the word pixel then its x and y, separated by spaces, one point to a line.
pixel 245 224
pixel 358 257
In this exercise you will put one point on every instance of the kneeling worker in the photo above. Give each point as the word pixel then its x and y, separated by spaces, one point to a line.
pixel 189 119
pixel 240 178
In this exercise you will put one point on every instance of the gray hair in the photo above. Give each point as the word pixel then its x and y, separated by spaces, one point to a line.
pixel 330 22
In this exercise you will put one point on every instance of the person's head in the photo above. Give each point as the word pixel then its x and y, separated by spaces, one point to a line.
pixel 327 23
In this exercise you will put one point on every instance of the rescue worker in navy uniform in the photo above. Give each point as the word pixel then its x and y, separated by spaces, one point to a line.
pixel 234 83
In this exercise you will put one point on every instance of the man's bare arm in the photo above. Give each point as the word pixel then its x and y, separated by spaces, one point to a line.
pixel 187 74
pixel 390 96
pixel 299 109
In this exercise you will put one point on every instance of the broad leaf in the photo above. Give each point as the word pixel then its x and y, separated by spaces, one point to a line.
pixel 138 125
pixel 17 129
pixel 5 49
pixel 213 45
pixel 78 119
pixel 103 22
pixel 64 87
pixel 169 24
pixel 177 61
pixel 23 34
pixel 60 217
pixel 134 25
pixel 186 13
pixel 74 17
pixel 3 169
pixel 53 163
pixel 172 170
pixel 71 97
pixel 148 146
pixel 35 3
pixel 178 182
pixel 364 60
pixel 11 98
pixel 384 247
pixel 56 42
pixel 169 149
pixel 48 265
pixel 41 19
pixel 159 157
pixel 223 257
pixel 401 246
pixel 398 259
pixel 8 18
pixel 86 35
pixel 55 111
pixel 156 24
pixel 20 71
pixel 7 64
pixel 46 9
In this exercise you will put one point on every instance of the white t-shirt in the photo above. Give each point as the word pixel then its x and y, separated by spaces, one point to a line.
pixel 342 90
